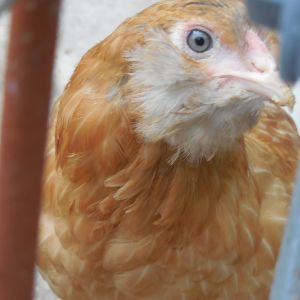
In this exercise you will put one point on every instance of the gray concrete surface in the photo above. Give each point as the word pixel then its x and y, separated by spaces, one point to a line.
pixel 83 23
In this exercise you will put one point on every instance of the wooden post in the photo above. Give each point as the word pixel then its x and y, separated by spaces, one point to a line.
pixel 25 113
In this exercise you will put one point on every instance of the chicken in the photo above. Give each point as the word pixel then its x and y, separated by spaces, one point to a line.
pixel 170 163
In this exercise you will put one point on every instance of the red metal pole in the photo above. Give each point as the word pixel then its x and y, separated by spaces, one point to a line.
pixel 27 94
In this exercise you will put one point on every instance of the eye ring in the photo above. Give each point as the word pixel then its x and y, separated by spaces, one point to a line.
pixel 199 41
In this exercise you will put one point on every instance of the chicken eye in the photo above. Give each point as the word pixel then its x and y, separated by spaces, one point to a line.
pixel 199 41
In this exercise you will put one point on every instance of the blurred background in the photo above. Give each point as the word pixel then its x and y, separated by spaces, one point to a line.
pixel 82 24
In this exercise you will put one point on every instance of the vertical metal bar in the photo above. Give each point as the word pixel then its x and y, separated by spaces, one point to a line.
pixel 290 40
pixel 286 285
pixel 27 94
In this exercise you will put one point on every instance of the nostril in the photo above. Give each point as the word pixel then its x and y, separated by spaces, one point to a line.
pixel 258 68
pixel 261 63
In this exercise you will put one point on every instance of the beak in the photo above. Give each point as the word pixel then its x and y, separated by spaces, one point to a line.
pixel 266 84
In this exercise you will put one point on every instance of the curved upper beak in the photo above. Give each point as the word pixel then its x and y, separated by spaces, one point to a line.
pixel 258 73
pixel 266 84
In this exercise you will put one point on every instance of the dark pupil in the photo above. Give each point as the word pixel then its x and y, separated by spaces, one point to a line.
pixel 200 41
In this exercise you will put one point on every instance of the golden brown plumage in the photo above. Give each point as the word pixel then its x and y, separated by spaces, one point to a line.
pixel 130 214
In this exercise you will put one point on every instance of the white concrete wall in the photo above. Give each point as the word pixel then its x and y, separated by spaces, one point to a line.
pixel 84 23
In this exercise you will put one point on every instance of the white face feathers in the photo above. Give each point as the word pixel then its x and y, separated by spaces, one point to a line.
pixel 180 97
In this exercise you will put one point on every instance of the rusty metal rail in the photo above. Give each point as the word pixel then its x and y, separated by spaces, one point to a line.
pixel 26 102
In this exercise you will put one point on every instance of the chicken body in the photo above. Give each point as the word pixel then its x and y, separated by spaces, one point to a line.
pixel 163 180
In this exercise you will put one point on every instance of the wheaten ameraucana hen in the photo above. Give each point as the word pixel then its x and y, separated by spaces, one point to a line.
pixel 170 162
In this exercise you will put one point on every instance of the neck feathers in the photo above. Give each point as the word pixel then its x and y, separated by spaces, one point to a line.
pixel 136 184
